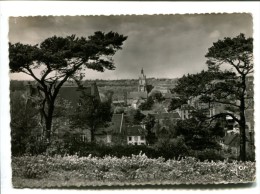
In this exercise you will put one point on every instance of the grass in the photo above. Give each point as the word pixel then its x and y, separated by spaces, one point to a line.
pixel 74 171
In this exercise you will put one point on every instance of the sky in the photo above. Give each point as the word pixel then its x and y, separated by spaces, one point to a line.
pixel 165 46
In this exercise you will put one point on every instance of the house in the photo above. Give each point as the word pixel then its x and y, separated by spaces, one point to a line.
pixel 185 111
pixel 119 133
pixel 135 135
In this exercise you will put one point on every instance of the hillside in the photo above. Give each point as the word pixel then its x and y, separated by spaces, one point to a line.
pixel 119 87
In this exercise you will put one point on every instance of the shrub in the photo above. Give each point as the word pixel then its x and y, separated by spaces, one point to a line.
pixel 208 154
pixel 35 147
pixel 57 147
pixel 172 148
pixel 167 148
pixel 29 166
pixel 136 168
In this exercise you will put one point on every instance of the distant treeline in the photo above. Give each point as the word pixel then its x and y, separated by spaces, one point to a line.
pixel 131 83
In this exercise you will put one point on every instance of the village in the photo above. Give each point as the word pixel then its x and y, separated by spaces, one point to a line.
pixel 126 125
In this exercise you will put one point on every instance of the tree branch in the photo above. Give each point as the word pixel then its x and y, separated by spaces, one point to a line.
pixel 221 115
pixel 33 75
pixel 231 63
pixel 227 103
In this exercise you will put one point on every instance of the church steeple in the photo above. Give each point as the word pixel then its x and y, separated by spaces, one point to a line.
pixel 142 82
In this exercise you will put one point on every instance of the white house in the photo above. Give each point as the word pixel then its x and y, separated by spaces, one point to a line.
pixel 135 135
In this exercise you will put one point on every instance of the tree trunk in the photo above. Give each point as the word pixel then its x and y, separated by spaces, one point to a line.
pixel 92 134
pixel 48 122
pixel 242 124
pixel 48 125
pixel 242 127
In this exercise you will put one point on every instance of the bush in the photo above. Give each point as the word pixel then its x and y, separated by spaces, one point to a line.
pixel 36 147
pixel 133 169
pixel 172 148
pixel 167 148
pixel 29 166
pixel 57 147
pixel 208 154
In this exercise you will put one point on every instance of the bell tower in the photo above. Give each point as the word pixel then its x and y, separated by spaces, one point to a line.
pixel 142 82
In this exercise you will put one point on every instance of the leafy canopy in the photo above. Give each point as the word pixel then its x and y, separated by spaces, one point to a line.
pixel 91 113
pixel 198 135
pixel 237 52
pixel 61 57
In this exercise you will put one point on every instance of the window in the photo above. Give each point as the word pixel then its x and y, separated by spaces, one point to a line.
pixel 135 138
pixel 84 138
pixel 129 138
pixel 142 138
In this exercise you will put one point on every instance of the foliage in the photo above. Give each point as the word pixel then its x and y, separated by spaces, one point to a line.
pixel 16 85
pixel 138 117
pixel 208 154
pixel 156 95
pixel 149 123
pixel 172 147
pixel 134 117
pixel 149 87
pixel 199 136
pixel 60 59
pixel 30 167
pixel 35 146
pixel 176 103
pixel 147 105
pixel 23 121
pixel 83 171
pixel 91 113
pixel 108 96
pixel 222 86
pixel 168 148
pixel 238 54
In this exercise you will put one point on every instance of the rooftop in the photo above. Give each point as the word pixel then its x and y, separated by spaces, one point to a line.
pixel 137 95
pixel 135 130
pixel 117 123
pixel 231 140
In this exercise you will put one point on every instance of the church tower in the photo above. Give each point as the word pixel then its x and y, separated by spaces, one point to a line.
pixel 142 82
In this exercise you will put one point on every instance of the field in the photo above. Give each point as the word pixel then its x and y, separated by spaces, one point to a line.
pixel 64 171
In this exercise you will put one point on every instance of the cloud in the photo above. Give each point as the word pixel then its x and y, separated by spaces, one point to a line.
pixel 214 34
pixel 164 45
